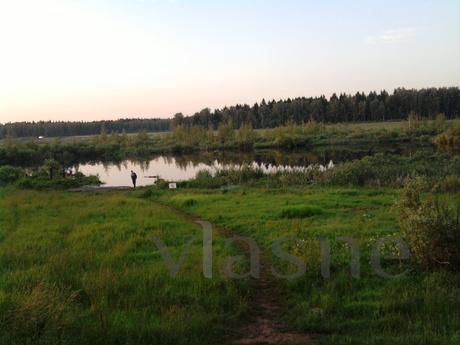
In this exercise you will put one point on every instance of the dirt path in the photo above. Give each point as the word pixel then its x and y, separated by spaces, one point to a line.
pixel 266 306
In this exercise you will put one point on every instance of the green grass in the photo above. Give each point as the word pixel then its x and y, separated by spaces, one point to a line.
pixel 81 269
pixel 419 308
pixel 301 212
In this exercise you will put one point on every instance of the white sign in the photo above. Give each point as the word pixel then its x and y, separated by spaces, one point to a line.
pixel 172 186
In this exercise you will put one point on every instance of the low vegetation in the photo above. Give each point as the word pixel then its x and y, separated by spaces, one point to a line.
pixel 116 147
pixel 441 170
pixel 82 269
pixel 450 139
pixel 49 176
pixel 431 227
pixel 419 307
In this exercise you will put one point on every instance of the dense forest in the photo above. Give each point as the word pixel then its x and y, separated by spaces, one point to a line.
pixel 62 128
pixel 426 103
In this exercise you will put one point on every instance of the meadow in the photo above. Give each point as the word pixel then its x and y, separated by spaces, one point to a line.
pixel 81 268
pixel 417 308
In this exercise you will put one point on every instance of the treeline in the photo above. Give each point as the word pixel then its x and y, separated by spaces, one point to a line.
pixel 63 128
pixel 426 103
pixel 68 153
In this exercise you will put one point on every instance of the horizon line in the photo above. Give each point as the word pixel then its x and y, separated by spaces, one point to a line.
pixel 267 100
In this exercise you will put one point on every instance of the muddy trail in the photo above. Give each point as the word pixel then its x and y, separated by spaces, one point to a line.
pixel 266 307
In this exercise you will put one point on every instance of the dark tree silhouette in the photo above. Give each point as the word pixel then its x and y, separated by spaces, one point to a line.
pixel 426 103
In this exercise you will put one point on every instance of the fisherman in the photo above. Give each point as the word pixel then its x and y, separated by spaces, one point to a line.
pixel 134 178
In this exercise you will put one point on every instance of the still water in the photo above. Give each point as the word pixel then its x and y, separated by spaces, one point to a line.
pixel 184 167
pixel 119 174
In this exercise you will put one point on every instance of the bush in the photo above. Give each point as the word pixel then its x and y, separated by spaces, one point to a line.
pixel 430 227
pixel 9 174
pixel 449 140
pixel 44 183
pixel 161 184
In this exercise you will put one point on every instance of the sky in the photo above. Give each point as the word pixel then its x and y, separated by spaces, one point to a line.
pixel 107 59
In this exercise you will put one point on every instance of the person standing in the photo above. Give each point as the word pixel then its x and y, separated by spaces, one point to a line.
pixel 133 178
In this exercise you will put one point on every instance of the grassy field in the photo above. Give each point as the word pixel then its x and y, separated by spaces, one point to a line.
pixel 419 308
pixel 81 269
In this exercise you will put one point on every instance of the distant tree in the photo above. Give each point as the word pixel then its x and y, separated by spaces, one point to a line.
pixel 268 114
pixel 177 120
pixel 245 136
pixel 51 166
pixel 413 120
pixel 225 132
pixel 440 121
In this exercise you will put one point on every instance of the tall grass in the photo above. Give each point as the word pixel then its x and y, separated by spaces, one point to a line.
pixel 81 269
pixel 421 307
pixel 440 169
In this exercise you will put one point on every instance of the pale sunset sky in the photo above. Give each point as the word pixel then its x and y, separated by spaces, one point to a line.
pixel 107 59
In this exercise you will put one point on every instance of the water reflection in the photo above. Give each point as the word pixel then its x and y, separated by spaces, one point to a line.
pixel 183 167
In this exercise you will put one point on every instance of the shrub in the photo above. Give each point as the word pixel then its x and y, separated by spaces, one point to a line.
pixel 245 137
pixel 449 140
pixel 161 184
pixel 52 167
pixel 44 183
pixel 430 227
pixel 9 174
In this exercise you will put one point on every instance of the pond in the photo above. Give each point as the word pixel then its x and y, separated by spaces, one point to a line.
pixel 184 167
